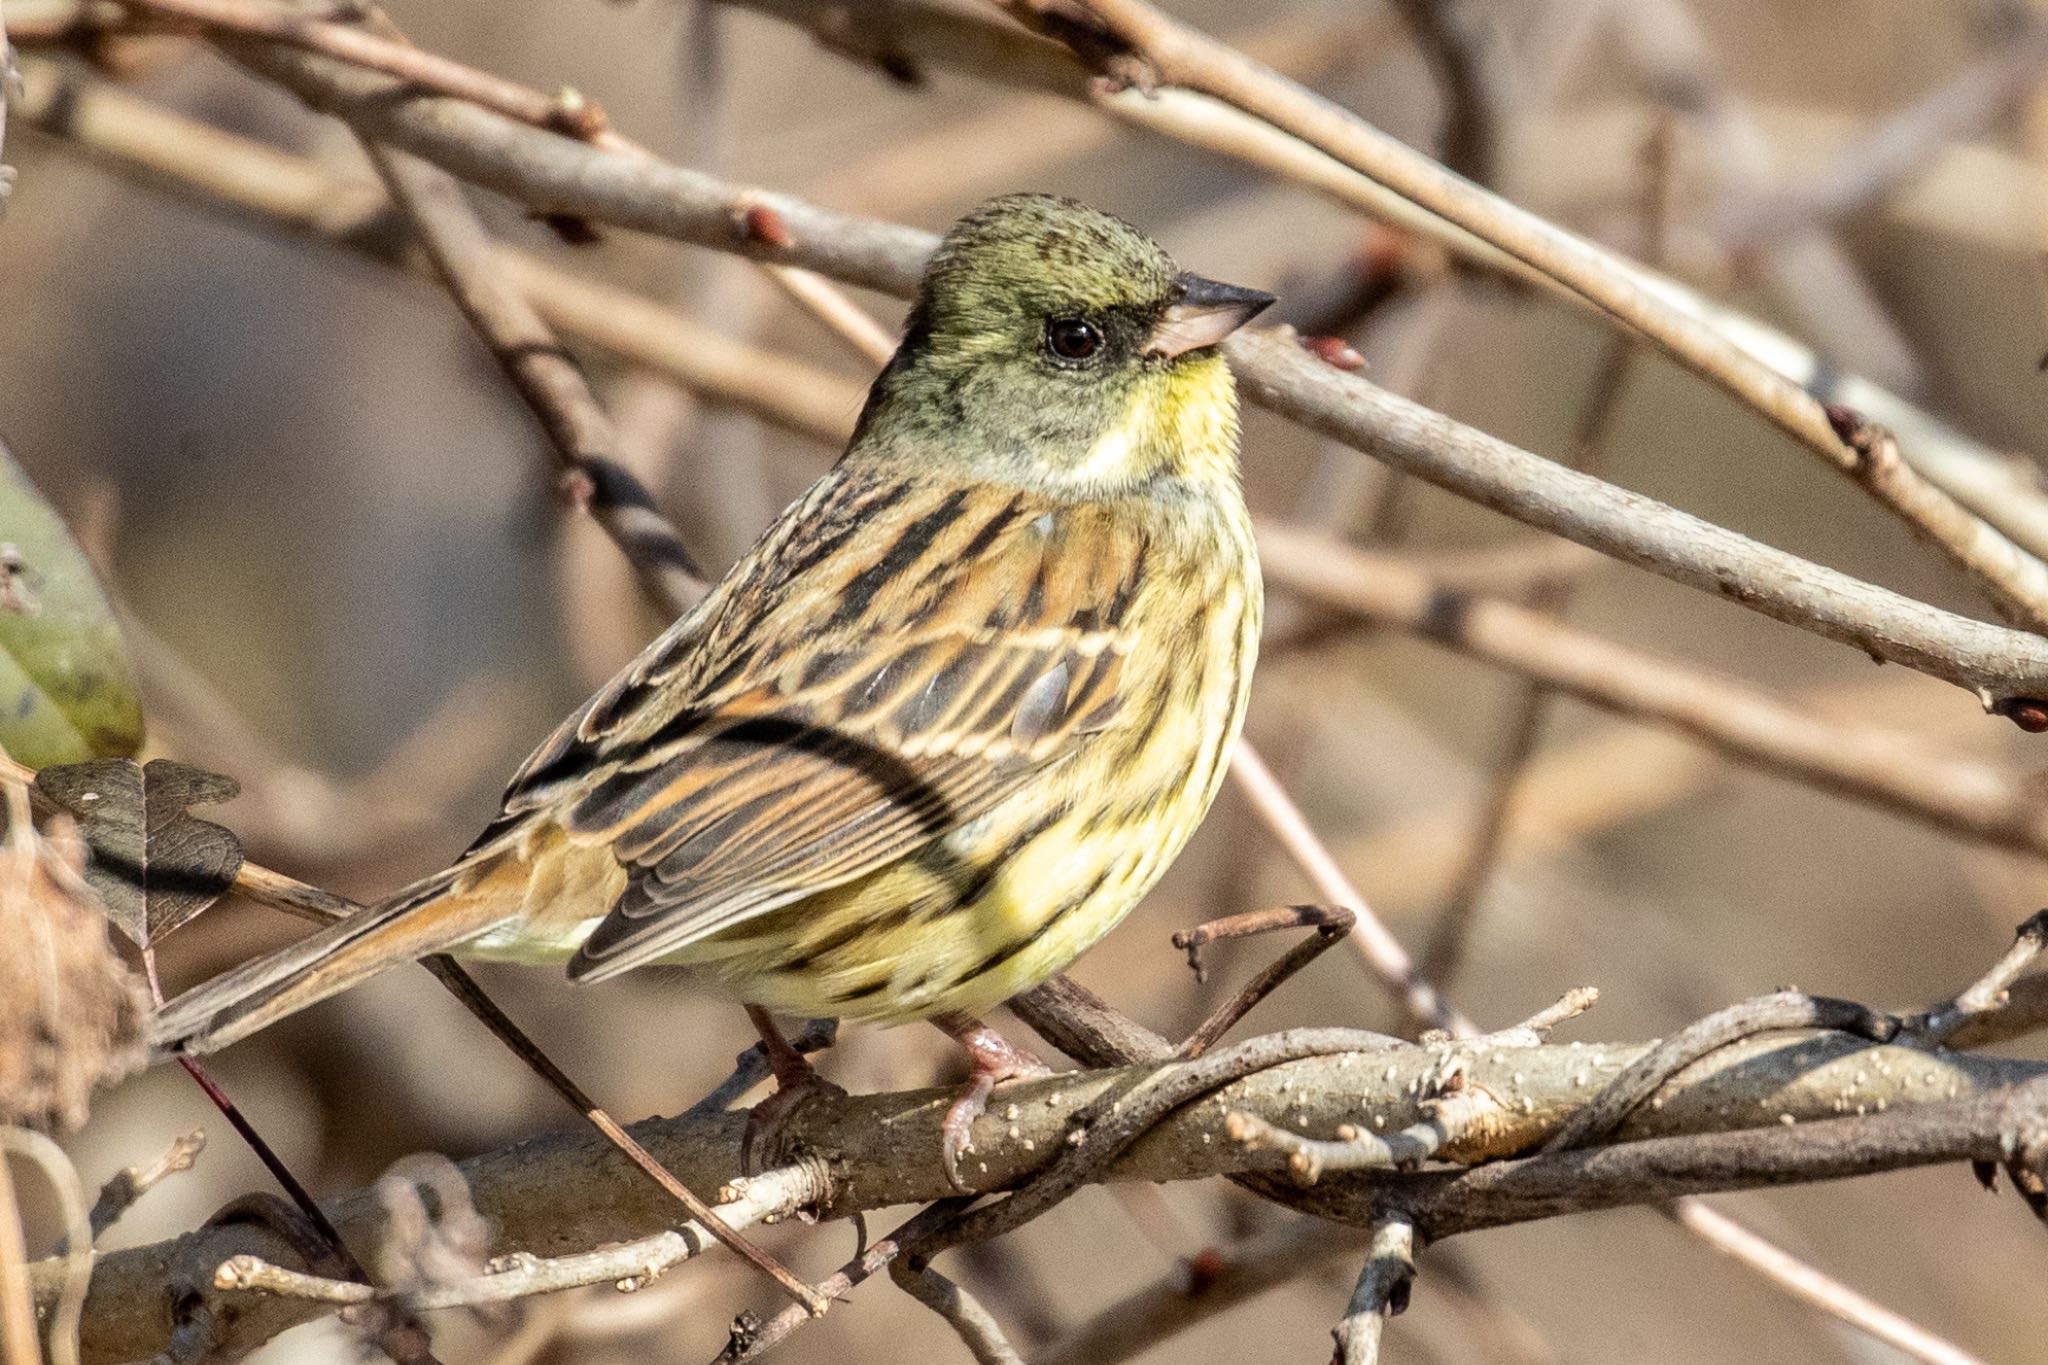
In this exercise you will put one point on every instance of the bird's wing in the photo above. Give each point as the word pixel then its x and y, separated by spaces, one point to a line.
pixel 892 660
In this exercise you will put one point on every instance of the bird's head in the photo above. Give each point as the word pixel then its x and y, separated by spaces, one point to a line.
pixel 1058 347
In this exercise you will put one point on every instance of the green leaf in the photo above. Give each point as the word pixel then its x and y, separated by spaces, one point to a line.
pixel 154 863
pixel 65 690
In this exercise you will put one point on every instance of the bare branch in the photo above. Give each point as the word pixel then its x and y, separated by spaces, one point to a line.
pixel 748 1200
pixel 73 1265
pixel 1127 36
pixel 961 1310
pixel 1381 1293
pixel 119 1194
pixel 577 427
pixel 1743 722
pixel 1990 996
pixel 555 174
pixel 569 1192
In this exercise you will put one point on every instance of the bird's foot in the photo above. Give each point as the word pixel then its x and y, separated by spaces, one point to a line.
pixel 995 1060
pixel 797 1084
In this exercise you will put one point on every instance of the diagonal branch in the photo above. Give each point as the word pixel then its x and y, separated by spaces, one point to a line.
pixel 1130 40
pixel 554 174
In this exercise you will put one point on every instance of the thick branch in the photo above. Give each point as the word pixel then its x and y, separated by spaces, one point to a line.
pixel 568 1193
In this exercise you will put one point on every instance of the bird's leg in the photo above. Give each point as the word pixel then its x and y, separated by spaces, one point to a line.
pixel 797 1082
pixel 995 1059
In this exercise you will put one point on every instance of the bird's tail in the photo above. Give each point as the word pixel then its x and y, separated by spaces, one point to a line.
pixel 427 917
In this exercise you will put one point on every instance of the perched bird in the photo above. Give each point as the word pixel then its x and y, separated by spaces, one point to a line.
pixel 946 722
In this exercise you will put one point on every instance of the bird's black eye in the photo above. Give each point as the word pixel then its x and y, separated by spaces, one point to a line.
pixel 1073 338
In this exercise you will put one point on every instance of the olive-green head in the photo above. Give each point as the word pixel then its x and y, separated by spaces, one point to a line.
pixel 1058 347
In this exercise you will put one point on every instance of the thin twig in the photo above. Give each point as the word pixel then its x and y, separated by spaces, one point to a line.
pixel 1651 1071
pixel 577 427
pixel 275 188
pixel 1743 722
pixel 934 32
pixel 749 1200
pixel 119 1194
pixel 17 1328
pixel 464 988
pixel 1381 951
pixel 1989 995
pixel 1381 1293
pixel 1824 1292
pixel 976 1326
pixel 567 113
pixel 1330 923
pixel 554 173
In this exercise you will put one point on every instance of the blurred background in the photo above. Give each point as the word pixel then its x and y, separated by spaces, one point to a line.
pixel 349 585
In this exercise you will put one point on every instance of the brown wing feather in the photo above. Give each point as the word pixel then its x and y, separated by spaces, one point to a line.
pixel 829 710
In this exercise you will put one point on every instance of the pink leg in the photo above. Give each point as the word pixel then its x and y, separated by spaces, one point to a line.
pixel 995 1059
pixel 797 1082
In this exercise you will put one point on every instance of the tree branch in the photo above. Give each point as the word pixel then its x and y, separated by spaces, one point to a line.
pixel 569 1193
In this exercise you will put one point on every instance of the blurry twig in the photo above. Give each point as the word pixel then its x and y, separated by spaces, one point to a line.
pixel 568 112
pixel 1423 1006
pixel 17 1317
pixel 1210 1282
pixel 1676 61
pixel 1742 722
pixel 1824 1292
pixel 815 293
pixel 977 1327
pixel 1382 1291
pixel 1451 38
pixel 1460 913
pixel 1897 145
pixel 297 193
pixel 554 389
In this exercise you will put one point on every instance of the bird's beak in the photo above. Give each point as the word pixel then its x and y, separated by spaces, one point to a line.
pixel 1203 312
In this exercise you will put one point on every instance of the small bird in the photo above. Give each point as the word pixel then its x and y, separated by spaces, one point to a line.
pixel 945 723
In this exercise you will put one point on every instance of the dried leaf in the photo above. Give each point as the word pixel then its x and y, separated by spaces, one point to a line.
pixel 154 863
pixel 71 1012
pixel 65 690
